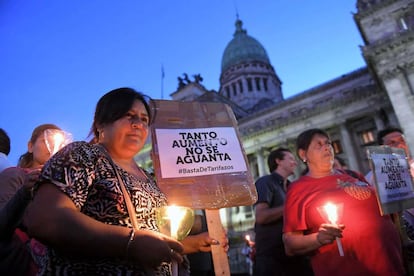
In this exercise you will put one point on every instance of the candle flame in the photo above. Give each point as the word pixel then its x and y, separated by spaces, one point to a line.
pixel 56 139
pixel 176 215
pixel 331 211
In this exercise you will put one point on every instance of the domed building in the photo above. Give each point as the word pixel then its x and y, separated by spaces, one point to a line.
pixel 247 76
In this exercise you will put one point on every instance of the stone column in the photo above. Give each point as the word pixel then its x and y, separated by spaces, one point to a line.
pixel 347 146
pixel 260 162
pixel 403 103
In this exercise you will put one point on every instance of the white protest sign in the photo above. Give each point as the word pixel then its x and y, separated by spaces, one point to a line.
pixel 393 177
pixel 393 181
pixel 199 151
pixel 198 158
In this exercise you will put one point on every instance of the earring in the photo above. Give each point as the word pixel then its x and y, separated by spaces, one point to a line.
pixel 304 160
pixel 101 134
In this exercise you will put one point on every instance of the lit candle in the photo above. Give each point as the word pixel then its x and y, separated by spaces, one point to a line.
pixel 247 237
pixel 175 215
pixel 332 212
pixel 58 141
pixel 55 139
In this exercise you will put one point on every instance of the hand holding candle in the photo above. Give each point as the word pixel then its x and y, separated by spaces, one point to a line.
pixel 331 211
pixel 176 222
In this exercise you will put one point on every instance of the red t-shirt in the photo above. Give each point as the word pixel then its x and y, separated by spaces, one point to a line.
pixel 370 241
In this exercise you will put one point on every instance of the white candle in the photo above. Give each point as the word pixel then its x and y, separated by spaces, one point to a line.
pixel 332 212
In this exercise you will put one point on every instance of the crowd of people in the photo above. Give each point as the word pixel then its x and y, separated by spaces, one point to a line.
pixel 87 208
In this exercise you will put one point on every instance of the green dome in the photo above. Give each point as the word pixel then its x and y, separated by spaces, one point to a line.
pixel 242 48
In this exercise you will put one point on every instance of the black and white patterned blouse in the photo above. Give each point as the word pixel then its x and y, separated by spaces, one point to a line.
pixel 84 173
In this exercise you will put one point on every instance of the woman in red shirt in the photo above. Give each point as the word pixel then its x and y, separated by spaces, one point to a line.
pixel 370 242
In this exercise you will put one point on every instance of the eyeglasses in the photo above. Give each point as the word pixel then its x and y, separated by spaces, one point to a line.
pixel 394 141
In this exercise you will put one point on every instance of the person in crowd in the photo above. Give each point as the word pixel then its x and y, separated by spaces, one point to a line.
pixel 4 150
pixel 88 227
pixel 28 167
pixel 392 137
pixel 271 190
pixel 16 185
pixel 370 242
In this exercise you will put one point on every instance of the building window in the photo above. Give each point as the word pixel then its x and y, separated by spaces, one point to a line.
pixel 257 80
pixel 227 92
pixel 265 84
pixel 367 137
pixel 241 86
pixel 233 86
pixel 248 211
pixel 249 84
pixel 337 147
